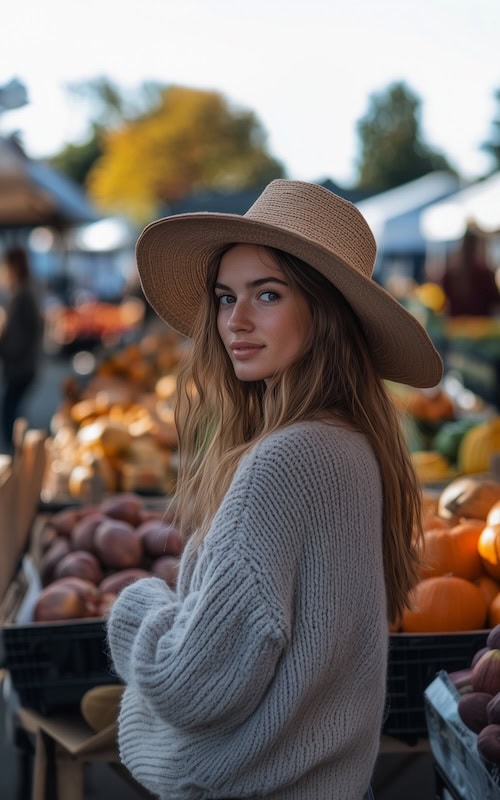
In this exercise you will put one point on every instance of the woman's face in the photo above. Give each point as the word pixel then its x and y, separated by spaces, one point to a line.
pixel 262 320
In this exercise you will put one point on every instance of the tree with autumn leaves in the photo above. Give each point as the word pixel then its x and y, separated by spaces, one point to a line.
pixel 152 148
pixel 188 140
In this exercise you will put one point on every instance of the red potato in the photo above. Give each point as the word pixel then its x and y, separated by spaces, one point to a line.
pixel 148 514
pixel 82 535
pixel 59 603
pixel 119 580
pixel 64 521
pixel 166 567
pixel 59 548
pixel 117 544
pixel 175 543
pixel 160 538
pixel 66 598
pixel 126 507
pixel 80 564
pixel 106 600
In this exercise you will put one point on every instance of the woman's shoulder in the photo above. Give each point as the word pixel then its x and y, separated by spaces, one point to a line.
pixel 312 431
pixel 312 442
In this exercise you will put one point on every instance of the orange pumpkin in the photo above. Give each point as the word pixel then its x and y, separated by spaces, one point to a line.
pixel 453 550
pixel 489 587
pixel 435 521
pixel 445 603
pixel 494 611
pixel 488 547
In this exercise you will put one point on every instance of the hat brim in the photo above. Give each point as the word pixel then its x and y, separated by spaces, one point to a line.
pixel 173 255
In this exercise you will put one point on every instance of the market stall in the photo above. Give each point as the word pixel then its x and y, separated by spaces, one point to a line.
pixel 108 464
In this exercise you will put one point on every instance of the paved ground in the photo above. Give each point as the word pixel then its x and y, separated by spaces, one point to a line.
pixel 399 776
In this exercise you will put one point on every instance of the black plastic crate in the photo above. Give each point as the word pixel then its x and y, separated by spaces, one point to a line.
pixel 414 662
pixel 52 665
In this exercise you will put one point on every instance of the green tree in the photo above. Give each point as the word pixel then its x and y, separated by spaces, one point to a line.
pixel 76 160
pixel 492 145
pixel 392 150
pixel 109 107
pixel 190 140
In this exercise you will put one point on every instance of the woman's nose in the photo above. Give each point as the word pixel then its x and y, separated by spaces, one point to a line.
pixel 240 318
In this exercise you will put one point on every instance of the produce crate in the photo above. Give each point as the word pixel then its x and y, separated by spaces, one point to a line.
pixel 51 664
pixel 414 661
pixel 454 746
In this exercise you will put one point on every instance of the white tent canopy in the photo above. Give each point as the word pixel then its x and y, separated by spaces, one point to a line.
pixel 446 221
pixel 394 215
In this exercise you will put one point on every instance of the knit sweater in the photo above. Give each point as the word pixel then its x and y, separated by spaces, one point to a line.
pixel 264 674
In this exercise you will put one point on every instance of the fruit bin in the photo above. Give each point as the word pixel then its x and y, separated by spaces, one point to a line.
pixel 453 745
pixel 414 661
pixel 51 664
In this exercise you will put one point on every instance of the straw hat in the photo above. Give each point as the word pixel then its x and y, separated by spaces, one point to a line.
pixel 311 223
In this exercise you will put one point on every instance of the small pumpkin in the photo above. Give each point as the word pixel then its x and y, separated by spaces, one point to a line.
pixel 453 550
pixel 468 496
pixel 445 603
pixel 488 547
pixel 489 587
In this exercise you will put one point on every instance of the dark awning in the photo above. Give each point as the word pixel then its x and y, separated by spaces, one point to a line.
pixel 32 193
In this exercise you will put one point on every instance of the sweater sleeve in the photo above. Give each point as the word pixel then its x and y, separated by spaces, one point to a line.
pixel 208 659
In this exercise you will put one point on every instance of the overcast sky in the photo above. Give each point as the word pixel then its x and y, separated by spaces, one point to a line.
pixel 305 67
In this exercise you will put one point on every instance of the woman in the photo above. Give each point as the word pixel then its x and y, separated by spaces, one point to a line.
pixel 264 674
pixel 468 281
pixel 20 337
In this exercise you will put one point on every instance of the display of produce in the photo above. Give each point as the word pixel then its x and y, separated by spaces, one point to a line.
pixel 478 446
pixel 449 430
pixel 459 588
pixel 479 696
pixel 92 320
pixel 116 433
pixel 88 554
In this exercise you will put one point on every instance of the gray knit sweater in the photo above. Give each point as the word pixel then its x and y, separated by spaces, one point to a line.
pixel 264 675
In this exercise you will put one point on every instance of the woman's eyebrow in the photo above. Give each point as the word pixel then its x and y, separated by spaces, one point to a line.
pixel 253 284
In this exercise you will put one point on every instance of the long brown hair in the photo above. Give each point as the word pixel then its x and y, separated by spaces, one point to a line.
pixel 220 417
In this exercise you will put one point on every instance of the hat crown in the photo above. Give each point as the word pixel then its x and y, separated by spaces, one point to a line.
pixel 316 214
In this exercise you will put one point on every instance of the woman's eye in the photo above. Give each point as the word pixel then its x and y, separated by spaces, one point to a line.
pixel 269 297
pixel 225 299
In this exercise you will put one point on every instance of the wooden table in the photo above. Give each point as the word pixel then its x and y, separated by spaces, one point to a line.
pixel 64 744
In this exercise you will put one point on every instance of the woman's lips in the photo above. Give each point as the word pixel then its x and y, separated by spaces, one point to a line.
pixel 244 350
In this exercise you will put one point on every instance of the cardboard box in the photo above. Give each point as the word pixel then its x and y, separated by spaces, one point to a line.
pixel 454 746
pixel 20 484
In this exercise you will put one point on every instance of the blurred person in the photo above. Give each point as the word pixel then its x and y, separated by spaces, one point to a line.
pixel 263 675
pixel 468 281
pixel 21 337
